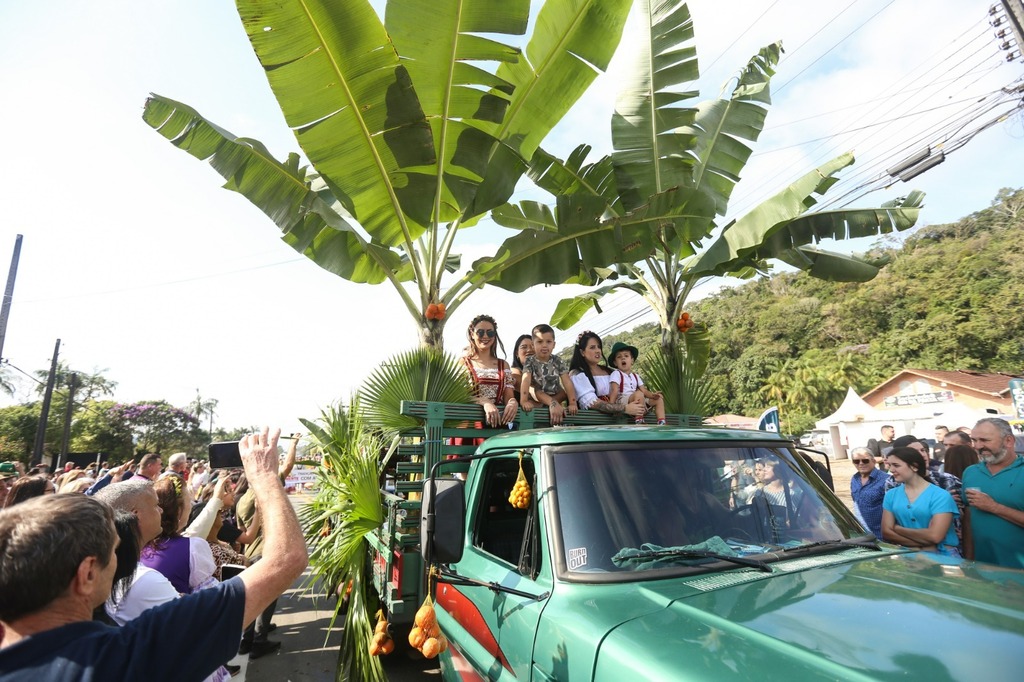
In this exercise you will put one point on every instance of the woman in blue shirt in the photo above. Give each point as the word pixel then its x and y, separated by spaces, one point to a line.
pixel 917 513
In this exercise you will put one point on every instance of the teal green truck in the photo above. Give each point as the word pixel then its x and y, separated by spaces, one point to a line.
pixel 673 553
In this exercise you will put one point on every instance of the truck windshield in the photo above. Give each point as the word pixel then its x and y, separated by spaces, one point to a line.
pixel 621 510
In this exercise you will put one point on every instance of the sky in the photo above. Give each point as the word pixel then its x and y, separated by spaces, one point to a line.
pixel 148 271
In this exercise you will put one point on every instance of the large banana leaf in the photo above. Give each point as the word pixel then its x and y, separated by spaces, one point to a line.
pixel 776 228
pixel 572 175
pixel 307 213
pixel 834 267
pixel 438 42
pixel 580 236
pixel 569 311
pixel 349 100
pixel 573 40
pixel 742 237
pixel 722 126
pixel 649 157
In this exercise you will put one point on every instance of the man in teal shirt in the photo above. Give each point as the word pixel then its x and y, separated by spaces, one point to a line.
pixel 994 490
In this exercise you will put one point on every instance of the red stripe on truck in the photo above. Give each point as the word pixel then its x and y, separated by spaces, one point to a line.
pixel 469 617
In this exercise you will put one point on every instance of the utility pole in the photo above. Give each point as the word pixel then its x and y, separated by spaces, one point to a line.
pixel 37 451
pixel 1008 19
pixel 5 309
pixel 68 411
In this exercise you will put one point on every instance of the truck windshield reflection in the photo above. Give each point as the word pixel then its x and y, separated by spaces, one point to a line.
pixel 647 509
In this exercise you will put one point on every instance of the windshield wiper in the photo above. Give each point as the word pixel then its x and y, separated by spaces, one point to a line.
pixel 701 554
pixel 866 544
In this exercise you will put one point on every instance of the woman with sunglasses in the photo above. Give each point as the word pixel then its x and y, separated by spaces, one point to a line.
pixel 491 375
pixel 867 488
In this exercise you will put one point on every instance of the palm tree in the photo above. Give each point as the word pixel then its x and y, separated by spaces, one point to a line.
pixel 680 162
pixel 410 141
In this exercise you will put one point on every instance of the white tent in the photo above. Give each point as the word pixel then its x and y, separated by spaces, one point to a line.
pixel 856 422
pixel 853 409
pixel 852 424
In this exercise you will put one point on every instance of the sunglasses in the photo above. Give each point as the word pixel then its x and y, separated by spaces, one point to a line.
pixel 861 461
pixel 481 333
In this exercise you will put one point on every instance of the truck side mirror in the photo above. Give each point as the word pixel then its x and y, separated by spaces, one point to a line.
pixel 444 520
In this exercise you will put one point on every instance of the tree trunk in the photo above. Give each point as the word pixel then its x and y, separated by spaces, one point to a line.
pixel 669 339
pixel 432 334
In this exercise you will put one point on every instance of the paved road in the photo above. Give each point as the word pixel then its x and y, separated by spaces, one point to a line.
pixel 309 646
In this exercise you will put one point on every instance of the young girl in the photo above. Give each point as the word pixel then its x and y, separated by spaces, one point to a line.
pixel 917 514
pixel 491 375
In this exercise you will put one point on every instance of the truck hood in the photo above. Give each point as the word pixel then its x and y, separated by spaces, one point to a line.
pixel 873 619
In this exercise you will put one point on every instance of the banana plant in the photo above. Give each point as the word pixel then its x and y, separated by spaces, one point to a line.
pixel 678 161
pixel 414 127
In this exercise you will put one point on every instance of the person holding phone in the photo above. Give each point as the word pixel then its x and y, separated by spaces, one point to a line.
pixel 255 639
pixel 58 566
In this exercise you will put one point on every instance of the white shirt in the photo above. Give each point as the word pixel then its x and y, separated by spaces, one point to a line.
pixel 585 393
pixel 628 383
pixel 149 588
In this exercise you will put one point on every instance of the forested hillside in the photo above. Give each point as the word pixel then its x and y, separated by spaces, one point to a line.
pixel 952 297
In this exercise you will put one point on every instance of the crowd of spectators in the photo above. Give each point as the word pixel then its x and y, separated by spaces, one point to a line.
pixel 145 547
pixel 971 503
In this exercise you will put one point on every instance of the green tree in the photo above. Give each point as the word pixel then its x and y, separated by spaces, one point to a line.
pixel 18 424
pixel 88 385
pixel 95 430
pixel 158 426
pixel 409 137
pixel 681 161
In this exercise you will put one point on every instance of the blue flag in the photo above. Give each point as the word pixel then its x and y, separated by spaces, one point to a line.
pixel 769 420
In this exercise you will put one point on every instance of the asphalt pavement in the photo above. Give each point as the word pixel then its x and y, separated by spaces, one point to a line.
pixel 310 646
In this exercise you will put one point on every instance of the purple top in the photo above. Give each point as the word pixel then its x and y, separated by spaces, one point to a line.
pixel 172 558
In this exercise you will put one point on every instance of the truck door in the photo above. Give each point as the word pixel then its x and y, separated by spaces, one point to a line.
pixel 491 633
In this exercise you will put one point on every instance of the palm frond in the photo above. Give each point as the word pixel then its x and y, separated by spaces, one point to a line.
pixel 679 380
pixel 421 374
pixel 347 507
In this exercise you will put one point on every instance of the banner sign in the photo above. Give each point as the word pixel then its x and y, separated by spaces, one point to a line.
pixel 1017 393
pixel 919 399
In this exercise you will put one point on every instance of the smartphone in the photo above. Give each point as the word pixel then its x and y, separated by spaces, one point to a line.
pixel 225 455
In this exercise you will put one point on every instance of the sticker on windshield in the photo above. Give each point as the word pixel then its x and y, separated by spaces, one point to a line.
pixel 577 558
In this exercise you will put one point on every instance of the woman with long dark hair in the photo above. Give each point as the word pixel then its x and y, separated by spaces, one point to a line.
pixel 917 513
pixel 592 379
pixel 27 487
pixel 522 350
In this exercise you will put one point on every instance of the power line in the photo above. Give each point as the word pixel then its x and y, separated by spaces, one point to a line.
pixel 733 43
pixel 817 158
pixel 841 41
